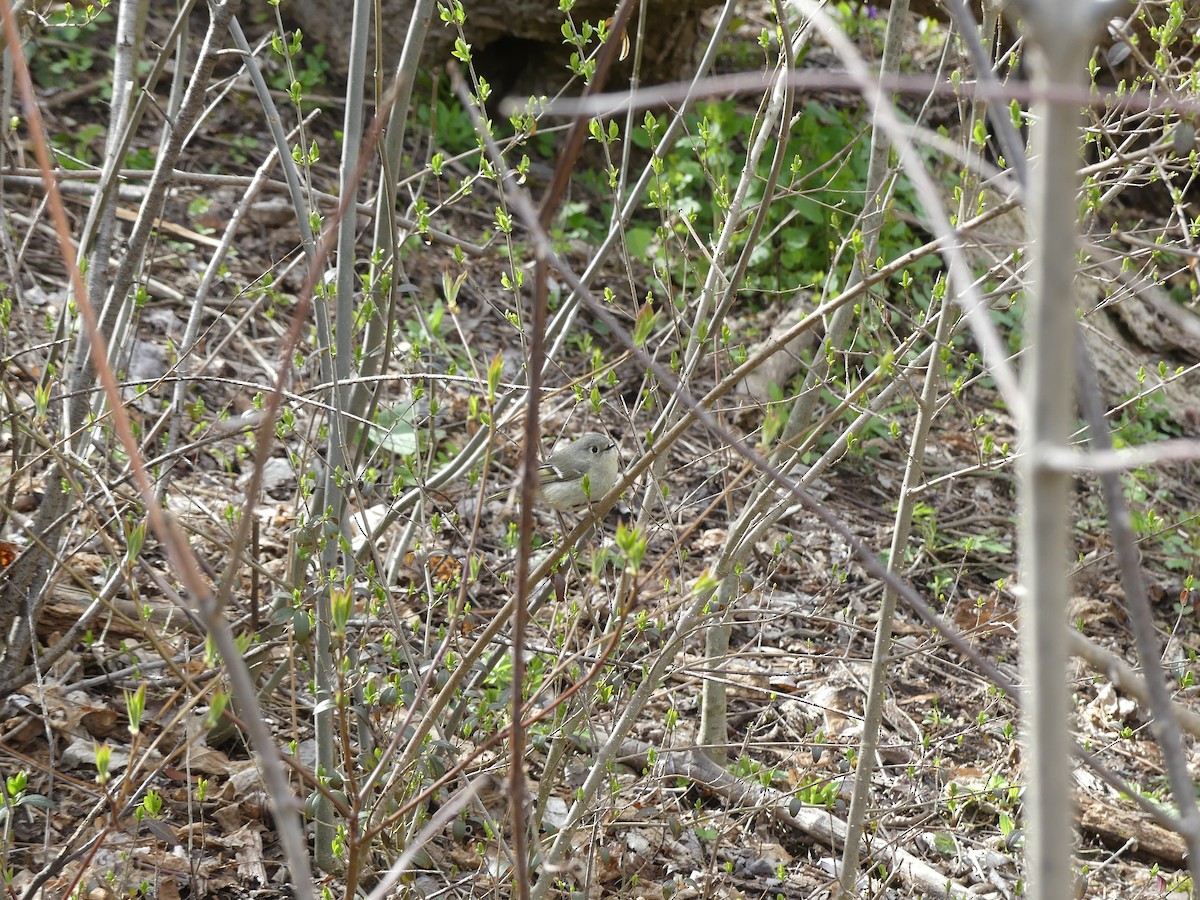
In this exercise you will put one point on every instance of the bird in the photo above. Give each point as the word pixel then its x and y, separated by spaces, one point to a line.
pixel 584 470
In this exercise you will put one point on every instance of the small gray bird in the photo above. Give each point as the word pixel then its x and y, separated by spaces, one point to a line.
pixel 582 471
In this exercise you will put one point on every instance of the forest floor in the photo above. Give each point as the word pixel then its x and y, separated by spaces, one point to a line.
pixel 948 790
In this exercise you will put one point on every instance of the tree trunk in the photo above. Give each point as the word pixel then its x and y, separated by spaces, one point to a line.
pixel 517 45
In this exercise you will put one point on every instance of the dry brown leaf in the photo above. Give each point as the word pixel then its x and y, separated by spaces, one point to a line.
pixel 207 761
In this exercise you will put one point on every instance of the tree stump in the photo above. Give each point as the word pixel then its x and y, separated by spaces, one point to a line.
pixel 517 45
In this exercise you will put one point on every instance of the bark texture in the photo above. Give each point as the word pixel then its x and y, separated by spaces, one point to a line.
pixel 518 44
